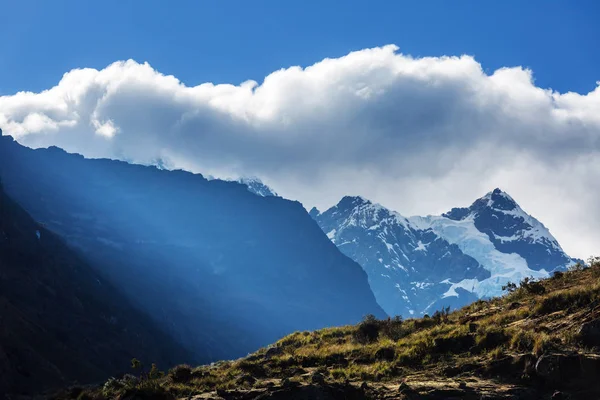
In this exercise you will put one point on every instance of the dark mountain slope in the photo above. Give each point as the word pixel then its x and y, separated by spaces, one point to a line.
pixel 59 320
pixel 223 270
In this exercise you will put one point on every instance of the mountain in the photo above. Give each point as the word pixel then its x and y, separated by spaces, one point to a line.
pixel 418 265
pixel 60 321
pixel 222 270
pixel 539 342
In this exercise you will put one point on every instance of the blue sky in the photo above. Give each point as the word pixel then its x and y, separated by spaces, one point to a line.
pixel 419 135
pixel 232 41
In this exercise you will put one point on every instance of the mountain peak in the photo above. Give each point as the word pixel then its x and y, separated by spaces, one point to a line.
pixel 498 199
pixel 353 201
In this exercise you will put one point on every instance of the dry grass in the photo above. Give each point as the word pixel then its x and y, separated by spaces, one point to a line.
pixel 479 334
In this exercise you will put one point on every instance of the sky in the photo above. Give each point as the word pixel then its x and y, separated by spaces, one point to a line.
pixel 421 106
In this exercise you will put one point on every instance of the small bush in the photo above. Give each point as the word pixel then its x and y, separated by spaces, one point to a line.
pixel 522 341
pixel 509 287
pixel 558 275
pixel 577 267
pixel 180 374
pixel 544 343
pixel 367 331
pixel 441 315
pixel 532 286
pixel 392 328
pixel 490 338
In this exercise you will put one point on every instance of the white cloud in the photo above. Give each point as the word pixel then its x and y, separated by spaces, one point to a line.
pixel 420 135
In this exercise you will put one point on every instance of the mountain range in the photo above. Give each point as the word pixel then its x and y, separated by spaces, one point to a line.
pixel 104 260
pixel 418 265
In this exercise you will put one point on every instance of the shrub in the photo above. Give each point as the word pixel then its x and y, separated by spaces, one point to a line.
pixel 392 328
pixel 532 286
pixel 180 374
pixel 558 275
pixel 522 341
pixel 367 331
pixel 577 267
pixel 544 343
pixel 490 338
pixel 441 315
pixel 509 287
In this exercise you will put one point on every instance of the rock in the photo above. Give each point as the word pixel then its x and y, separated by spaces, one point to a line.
pixel 364 386
pixel 317 378
pixel 336 360
pixel 559 369
pixel 385 354
pixel 526 363
pixel 245 380
pixel 286 383
pixel 514 305
pixel 559 396
pixel 462 385
pixel 548 367
pixel 404 387
pixel 589 333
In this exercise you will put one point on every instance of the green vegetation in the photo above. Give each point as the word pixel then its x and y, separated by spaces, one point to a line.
pixel 534 318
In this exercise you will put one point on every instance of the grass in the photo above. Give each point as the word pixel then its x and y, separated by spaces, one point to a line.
pixel 533 319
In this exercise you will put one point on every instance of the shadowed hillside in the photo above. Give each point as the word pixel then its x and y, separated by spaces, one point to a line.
pixel 541 341
pixel 60 321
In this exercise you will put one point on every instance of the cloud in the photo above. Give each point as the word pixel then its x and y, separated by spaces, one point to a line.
pixel 419 135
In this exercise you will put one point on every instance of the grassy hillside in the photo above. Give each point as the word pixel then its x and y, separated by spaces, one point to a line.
pixel 538 341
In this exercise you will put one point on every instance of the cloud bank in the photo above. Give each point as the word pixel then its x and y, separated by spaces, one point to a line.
pixel 419 135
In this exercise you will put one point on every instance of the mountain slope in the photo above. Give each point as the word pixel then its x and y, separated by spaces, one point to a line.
pixel 420 264
pixel 540 342
pixel 222 270
pixel 59 320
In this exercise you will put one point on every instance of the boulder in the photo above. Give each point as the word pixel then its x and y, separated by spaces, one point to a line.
pixel 589 333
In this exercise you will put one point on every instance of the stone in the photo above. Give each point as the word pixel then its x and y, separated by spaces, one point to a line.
pixel 317 378
pixel 589 333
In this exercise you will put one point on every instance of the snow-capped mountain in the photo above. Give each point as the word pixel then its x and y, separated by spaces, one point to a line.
pixel 417 265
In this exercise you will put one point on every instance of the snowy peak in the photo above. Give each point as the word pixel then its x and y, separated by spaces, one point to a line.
pixel 497 200
pixel 512 230
pixel 256 186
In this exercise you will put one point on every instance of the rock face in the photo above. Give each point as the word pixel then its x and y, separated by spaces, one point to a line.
pixel 222 270
pixel 60 321
pixel 418 265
